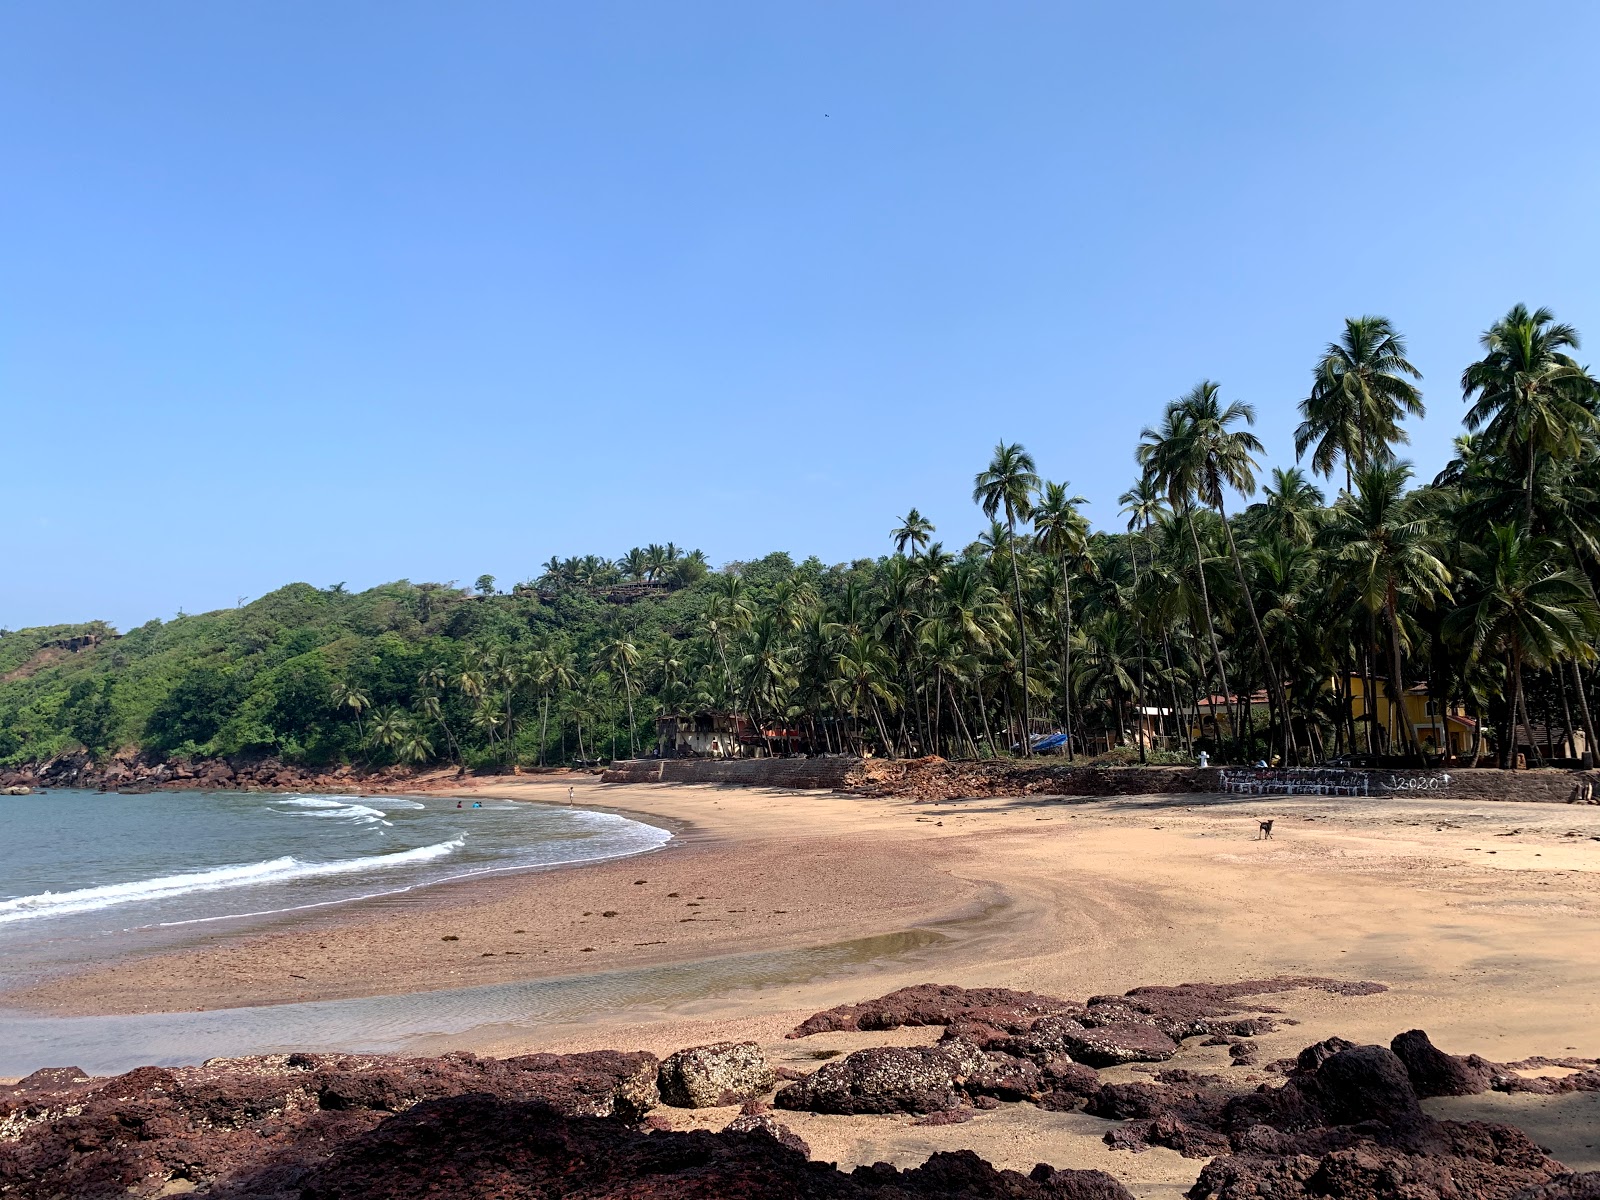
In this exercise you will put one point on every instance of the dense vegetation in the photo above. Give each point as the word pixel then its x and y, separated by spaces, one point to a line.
pixel 1480 582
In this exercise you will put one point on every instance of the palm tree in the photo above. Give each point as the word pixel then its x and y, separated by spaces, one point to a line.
pixel 1528 395
pixel 1383 540
pixel 1293 506
pixel 1361 390
pixel 1063 534
pixel 1008 485
pixel 914 530
pixel 1165 452
pixel 1523 606
pixel 1221 459
pixel 865 670
pixel 346 695
pixel 622 655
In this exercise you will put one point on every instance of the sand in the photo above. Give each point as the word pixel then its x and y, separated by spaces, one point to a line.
pixel 1482 918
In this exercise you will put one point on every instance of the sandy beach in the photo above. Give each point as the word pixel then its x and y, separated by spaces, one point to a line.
pixel 1482 918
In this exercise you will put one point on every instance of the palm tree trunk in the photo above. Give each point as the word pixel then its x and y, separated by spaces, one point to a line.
pixel 1397 687
pixel 627 687
pixel 1066 657
pixel 1022 632
pixel 1522 708
pixel 1275 690
pixel 544 726
pixel 1138 729
pixel 1211 625
pixel 1583 710
pixel 1566 712
pixel 882 732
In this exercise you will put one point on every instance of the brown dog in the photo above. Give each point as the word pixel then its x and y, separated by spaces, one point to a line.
pixel 1266 831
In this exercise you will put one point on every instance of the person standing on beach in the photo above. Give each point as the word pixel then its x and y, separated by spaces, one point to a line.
pixel 569 795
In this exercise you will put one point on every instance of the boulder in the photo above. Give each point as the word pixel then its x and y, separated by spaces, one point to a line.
pixel 755 1118
pixel 1435 1073
pixel 1113 1045
pixel 715 1075
pixel 887 1079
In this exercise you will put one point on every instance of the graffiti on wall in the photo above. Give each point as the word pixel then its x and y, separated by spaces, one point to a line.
pixel 1325 781
pixel 1416 783
pixel 1290 781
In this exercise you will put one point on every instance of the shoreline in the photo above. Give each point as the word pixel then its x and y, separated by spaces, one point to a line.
pixel 1483 917
pixel 494 922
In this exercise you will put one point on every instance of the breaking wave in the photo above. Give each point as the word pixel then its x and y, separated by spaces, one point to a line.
pixel 275 870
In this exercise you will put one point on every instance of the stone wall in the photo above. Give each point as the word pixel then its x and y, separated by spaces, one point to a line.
pixel 748 772
pixel 936 779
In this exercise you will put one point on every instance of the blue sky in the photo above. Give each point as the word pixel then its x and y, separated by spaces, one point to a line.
pixel 362 291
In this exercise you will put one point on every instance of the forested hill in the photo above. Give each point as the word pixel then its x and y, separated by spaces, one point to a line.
pixel 402 671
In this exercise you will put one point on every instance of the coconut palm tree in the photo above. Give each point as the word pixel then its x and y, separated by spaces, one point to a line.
pixel 1165 452
pixel 1522 605
pixel 1530 397
pixel 914 530
pixel 1008 486
pixel 623 656
pixel 1382 539
pixel 866 671
pixel 1293 506
pixel 1063 534
pixel 1361 390
pixel 346 695
pixel 1222 459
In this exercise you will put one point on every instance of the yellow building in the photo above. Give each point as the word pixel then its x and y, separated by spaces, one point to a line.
pixel 1437 731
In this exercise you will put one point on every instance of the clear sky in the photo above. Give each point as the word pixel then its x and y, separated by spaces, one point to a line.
pixel 367 290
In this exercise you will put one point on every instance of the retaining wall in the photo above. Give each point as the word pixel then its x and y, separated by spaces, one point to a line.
pixel 749 772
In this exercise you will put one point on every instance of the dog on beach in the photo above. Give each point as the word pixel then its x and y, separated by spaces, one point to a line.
pixel 1266 832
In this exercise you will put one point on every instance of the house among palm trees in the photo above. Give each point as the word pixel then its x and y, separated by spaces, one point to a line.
pixel 1439 728
pixel 722 735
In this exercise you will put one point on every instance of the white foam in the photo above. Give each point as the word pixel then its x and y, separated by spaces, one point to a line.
pixel 337 806
pixel 275 870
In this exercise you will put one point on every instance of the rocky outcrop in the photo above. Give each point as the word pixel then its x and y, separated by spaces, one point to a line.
pixel 476 1146
pixel 1345 1123
pixel 711 1076
pixel 756 1117
pixel 64 1135
pixel 1179 1012
pixel 1112 1045
pixel 888 1079
pixel 1435 1073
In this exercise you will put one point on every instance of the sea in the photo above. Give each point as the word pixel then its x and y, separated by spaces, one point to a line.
pixel 90 878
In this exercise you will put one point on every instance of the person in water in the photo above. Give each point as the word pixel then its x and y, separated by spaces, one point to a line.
pixel 475 804
pixel 458 804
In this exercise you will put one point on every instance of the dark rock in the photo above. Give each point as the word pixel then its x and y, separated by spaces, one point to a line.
pixel 1113 1045
pixel 932 1004
pixel 711 1076
pixel 885 1079
pixel 1583 1186
pixel 476 1146
pixel 1435 1073
pixel 765 1124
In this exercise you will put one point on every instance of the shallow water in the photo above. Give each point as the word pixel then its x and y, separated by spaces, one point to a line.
pixel 424 1022
pixel 90 877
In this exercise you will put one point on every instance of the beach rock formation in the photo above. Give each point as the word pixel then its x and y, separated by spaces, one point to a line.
pixel 1344 1123
pixel 888 1079
pixel 476 1146
pixel 1125 1042
pixel 64 1135
pixel 716 1075
pixel 1435 1073
pixel 1186 1010
pixel 756 1117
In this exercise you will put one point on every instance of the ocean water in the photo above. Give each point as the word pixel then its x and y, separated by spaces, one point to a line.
pixel 86 876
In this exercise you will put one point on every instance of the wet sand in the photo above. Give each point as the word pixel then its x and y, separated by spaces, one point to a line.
pixel 1482 918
